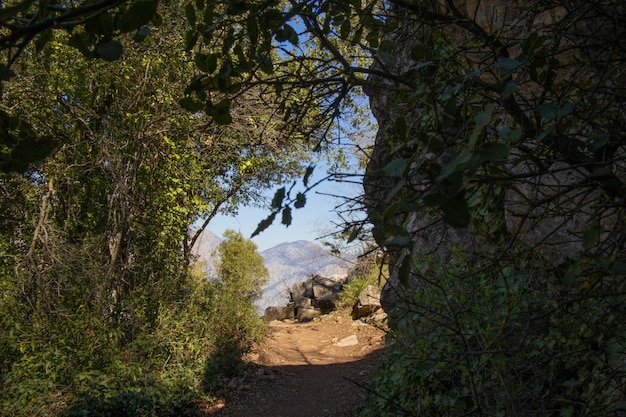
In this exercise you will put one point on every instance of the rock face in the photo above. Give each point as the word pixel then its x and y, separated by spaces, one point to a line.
pixel 548 197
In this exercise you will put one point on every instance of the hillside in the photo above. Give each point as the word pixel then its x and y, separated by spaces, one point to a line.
pixel 287 263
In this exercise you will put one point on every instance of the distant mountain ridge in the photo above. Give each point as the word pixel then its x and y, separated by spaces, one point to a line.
pixel 287 263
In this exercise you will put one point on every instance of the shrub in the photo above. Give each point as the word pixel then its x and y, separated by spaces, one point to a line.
pixel 489 340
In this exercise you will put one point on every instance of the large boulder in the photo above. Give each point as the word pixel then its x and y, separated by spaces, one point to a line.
pixel 367 302
pixel 308 314
pixel 327 304
pixel 279 313
pixel 302 289
pixel 325 287
pixel 303 302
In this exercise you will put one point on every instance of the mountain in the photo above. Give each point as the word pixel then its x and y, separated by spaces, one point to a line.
pixel 205 245
pixel 287 264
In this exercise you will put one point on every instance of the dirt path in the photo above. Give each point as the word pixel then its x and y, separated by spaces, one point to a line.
pixel 307 370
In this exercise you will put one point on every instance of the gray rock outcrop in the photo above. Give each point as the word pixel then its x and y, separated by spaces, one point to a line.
pixel 279 313
pixel 367 303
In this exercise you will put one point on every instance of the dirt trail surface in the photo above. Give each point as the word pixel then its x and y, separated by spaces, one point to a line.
pixel 315 369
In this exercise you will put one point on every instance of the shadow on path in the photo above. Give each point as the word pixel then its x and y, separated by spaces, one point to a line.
pixel 328 390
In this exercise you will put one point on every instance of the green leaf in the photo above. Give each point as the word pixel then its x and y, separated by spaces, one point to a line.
pixel 137 15
pixel 221 112
pixel 190 15
pixel 6 73
pixel 29 149
pixel 397 167
pixel 253 30
pixel 142 34
pixel 599 140
pixel 397 240
pixel 509 88
pixel 222 119
pixel 287 33
pixel 264 224
pixel 42 39
pixel 206 62
pixel 481 120
pixel 373 39
pixel 571 383
pixel 494 151
pixel 265 63
pixel 358 35
pixel 405 270
pixel 345 29
pixel 457 164
pixel 307 175
pixel 508 64
pixel 191 38
pixel 237 7
pixel 510 135
pixel 401 129
pixel 110 51
pixel 191 104
pixel 300 201
pixel 279 196
pixel 354 233
pixel 421 53
pixel 547 111
pixel 80 41
pixel 618 268
pixel 286 216
pixel 592 236
pixel 157 20
pixel 456 212
pixel 565 110
pixel 572 273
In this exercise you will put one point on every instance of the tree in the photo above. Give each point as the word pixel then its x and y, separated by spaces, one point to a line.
pixel 497 175
pixel 240 267
pixel 239 279
pixel 94 237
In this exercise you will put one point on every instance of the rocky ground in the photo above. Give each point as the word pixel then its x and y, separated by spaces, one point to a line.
pixel 315 369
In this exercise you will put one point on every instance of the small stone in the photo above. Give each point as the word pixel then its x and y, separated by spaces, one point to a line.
pixel 348 341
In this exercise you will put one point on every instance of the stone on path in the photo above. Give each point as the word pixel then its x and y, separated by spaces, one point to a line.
pixel 348 341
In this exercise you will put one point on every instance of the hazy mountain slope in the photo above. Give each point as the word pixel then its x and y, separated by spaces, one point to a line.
pixel 287 263
pixel 292 262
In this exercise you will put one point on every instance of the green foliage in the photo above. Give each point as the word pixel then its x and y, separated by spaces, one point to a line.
pixel 367 271
pixel 487 337
pixel 240 276
pixel 98 310
pixel 240 267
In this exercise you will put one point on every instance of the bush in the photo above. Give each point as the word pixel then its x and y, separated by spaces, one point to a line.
pixel 496 341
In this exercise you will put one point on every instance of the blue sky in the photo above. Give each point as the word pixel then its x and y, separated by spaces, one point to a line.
pixel 312 221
